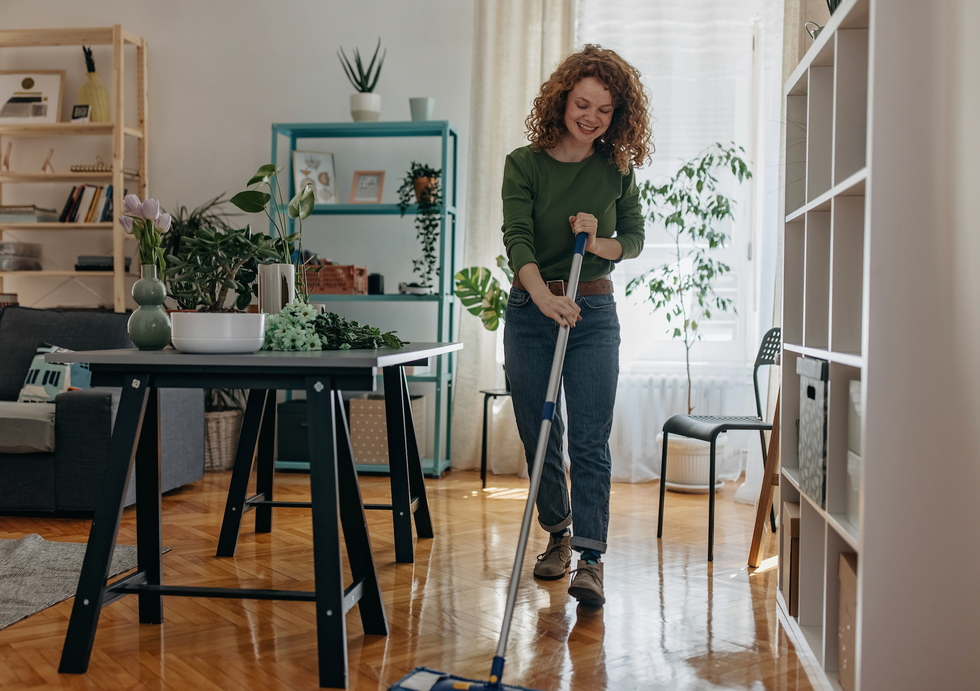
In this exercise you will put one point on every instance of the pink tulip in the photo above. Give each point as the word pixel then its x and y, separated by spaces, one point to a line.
pixel 150 210
pixel 163 223
pixel 131 203
pixel 126 222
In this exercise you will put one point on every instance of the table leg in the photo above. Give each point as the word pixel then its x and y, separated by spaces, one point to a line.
pixel 235 505
pixel 149 528
pixel 265 464
pixel 331 624
pixel 416 480
pixel 401 497
pixel 105 528
pixel 356 535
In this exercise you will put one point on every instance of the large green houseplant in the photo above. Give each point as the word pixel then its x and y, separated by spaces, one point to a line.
pixel 690 209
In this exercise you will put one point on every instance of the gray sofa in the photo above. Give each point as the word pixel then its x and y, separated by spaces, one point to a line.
pixel 69 477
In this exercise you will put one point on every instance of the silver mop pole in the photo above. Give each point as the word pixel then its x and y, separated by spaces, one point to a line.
pixel 554 381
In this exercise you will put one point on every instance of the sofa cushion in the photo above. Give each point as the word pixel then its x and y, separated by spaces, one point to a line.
pixel 46 380
pixel 26 427
pixel 23 330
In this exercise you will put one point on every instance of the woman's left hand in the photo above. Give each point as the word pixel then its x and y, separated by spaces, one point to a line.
pixel 585 223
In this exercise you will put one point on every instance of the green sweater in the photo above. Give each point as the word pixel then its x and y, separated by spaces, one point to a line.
pixel 540 193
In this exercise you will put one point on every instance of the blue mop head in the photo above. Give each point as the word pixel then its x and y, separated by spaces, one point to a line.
pixel 423 679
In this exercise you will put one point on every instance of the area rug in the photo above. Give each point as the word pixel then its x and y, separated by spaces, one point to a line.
pixel 36 573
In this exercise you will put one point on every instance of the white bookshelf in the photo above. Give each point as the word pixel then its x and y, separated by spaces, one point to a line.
pixel 824 307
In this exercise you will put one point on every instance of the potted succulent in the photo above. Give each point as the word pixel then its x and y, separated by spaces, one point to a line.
pixel 423 181
pixel 365 105
pixel 689 208
pixel 212 280
pixel 277 280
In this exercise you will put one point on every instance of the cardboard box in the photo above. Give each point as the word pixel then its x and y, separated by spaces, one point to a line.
pixel 369 428
pixel 789 526
pixel 846 633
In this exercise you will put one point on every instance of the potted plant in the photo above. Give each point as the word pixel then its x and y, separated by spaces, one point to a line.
pixel 277 280
pixel 365 105
pixel 210 214
pixel 423 181
pixel 211 268
pixel 689 208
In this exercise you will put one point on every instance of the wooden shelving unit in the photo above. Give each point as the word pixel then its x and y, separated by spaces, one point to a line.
pixel 118 38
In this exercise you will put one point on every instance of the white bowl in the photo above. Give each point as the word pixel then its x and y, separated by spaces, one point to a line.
pixel 218 332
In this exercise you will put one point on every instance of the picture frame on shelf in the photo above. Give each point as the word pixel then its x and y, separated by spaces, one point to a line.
pixel 317 169
pixel 80 113
pixel 31 96
pixel 367 187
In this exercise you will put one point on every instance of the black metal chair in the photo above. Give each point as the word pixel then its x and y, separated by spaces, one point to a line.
pixel 708 427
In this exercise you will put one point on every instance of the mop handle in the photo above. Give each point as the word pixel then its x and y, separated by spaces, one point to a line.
pixel 547 416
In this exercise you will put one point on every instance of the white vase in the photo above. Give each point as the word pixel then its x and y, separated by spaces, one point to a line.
pixel 689 463
pixel 218 332
pixel 422 107
pixel 365 107
pixel 277 287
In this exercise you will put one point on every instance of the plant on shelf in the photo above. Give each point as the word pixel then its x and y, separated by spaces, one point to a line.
pixel 689 208
pixel 482 295
pixel 299 208
pixel 365 105
pixel 300 326
pixel 213 264
pixel 423 181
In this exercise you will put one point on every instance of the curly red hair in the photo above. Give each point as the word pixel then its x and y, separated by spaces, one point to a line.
pixel 628 139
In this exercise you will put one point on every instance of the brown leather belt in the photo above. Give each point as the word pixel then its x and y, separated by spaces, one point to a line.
pixel 600 286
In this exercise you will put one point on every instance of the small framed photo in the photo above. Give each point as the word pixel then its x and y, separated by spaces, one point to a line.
pixel 367 187
pixel 29 97
pixel 316 169
pixel 80 113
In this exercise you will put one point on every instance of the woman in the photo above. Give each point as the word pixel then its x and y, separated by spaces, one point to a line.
pixel 589 126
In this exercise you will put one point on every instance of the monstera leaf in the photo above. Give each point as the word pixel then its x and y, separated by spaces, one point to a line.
pixel 481 295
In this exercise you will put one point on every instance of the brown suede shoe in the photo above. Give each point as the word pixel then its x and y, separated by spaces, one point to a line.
pixel 555 561
pixel 586 585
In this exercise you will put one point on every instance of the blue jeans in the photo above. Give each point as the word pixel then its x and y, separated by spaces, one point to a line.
pixel 589 383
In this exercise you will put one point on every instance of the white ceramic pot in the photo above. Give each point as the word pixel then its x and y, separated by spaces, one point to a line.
pixel 422 107
pixel 218 332
pixel 365 107
pixel 277 287
pixel 689 463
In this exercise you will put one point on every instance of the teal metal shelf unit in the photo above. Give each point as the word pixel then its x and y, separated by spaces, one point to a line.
pixel 442 298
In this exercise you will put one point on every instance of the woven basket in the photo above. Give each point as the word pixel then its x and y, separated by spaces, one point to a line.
pixel 221 439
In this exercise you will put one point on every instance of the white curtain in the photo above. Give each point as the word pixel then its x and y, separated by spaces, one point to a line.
pixel 517 45
pixel 713 70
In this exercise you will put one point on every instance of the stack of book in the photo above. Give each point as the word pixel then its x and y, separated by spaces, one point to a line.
pixel 19 256
pixel 88 204
pixel 27 213
pixel 8 300
pixel 98 263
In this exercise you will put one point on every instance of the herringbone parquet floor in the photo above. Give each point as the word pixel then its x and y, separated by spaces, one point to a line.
pixel 672 621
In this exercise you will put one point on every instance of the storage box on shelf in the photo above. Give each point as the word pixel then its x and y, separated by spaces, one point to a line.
pixel 119 38
pixel 337 280
pixel 440 374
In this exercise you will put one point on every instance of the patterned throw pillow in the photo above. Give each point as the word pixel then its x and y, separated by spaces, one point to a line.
pixel 45 381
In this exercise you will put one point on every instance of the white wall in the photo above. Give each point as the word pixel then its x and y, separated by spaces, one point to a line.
pixel 220 72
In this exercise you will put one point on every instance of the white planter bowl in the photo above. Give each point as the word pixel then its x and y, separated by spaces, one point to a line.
pixel 365 107
pixel 689 463
pixel 218 332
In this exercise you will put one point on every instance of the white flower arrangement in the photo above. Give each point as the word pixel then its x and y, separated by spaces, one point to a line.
pixel 294 328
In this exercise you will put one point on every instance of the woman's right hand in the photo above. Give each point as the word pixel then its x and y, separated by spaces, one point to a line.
pixel 558 307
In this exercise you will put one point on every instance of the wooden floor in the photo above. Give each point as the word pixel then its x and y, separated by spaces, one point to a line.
pixel 671 620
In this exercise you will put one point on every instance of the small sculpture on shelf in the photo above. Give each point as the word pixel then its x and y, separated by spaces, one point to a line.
pixel 93 92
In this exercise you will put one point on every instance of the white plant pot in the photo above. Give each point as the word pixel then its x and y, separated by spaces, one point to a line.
pixel 218 332
pixel 277 287
pixel 689 463
pixel 365 107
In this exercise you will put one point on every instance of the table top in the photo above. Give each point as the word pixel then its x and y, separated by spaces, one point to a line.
pixel 317 359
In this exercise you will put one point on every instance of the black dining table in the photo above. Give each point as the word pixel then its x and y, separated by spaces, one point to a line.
pixel 335 494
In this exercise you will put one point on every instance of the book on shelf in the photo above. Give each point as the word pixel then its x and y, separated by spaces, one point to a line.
pixel 27 213
pixel 95 203
pixel 102 167
pixel 70 202
pixel 105 210
pixel 81 211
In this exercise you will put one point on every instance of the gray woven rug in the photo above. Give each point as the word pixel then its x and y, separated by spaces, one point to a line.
pixel 36 573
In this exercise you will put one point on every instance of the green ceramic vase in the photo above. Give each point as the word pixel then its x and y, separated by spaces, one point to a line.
pixel 149 326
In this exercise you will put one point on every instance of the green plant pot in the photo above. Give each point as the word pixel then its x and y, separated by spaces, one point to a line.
pixel 149 326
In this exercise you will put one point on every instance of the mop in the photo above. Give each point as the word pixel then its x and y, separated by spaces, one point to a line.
pixel 423 679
